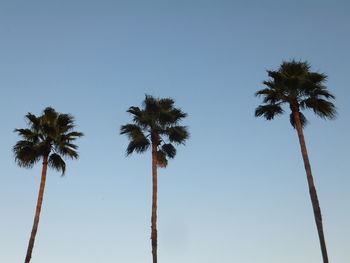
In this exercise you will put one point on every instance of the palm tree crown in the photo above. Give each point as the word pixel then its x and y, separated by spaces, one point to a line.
pixel 157 123
pixel 297 86
pixel 49 135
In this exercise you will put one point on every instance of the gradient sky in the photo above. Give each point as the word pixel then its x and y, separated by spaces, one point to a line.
pixel 236 192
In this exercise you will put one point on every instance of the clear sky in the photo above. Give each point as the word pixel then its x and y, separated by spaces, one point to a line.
pixel 236 192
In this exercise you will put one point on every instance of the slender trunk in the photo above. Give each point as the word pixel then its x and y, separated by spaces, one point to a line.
pixel 154 201
pixel 37 212
pixel 312 189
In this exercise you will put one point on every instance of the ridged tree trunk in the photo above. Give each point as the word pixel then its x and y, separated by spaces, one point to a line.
pixel 37 212
pixel 312 189
pixel 154 197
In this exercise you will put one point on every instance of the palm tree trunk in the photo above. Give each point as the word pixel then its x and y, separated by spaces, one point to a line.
pixel 37 212
pixel 154 201
pixel 312 189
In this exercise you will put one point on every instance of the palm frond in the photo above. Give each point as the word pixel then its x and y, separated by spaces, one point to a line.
pixel 71 136
pixel 177 134
pixel 272 97
pixel 322 108
pixel 294 68
pixel 320 91
pixel 48 128
pixel 169 150
pixel 171 117
pixel 265 91
pixel 138 141
pixel 275 75
pixel 178 114
pixel 70 145
pixel 138 146
pixel 151 104
pixel 49 115
pixel 134 110
pixel 68 151
pixel 65 122
pixel 133 131
pixel 33 121
pixel 274 93
pixel 268 111
pixel 26 154
pixel 140 117
pixel 317 78
pixel 28 134
pixel 166 104
pixel 74 134
pixel 57 163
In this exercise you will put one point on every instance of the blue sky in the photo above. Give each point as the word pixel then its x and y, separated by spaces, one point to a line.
pixel 236 192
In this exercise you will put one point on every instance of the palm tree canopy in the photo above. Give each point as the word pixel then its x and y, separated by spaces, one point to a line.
pixel 157 122
pixel 297 86
pixel 50 134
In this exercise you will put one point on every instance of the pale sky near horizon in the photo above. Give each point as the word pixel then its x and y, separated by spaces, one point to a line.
pixel 236 192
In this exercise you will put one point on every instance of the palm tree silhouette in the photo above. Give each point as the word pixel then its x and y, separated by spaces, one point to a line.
pixel 155 126
pixel 295 85
pixel 49 138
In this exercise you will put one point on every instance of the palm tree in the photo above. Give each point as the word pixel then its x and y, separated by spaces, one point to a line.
pixel 295 85
pixel 48 138
pixel 155 126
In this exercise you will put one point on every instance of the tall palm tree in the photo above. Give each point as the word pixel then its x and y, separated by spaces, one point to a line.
pixel 155 126
pixel 295 85
pixel 48 138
